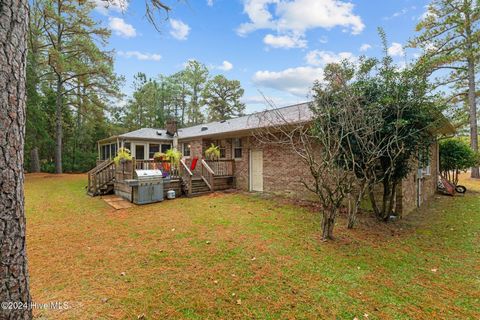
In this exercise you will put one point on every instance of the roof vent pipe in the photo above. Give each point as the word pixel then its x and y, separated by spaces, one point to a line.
pixel 204 128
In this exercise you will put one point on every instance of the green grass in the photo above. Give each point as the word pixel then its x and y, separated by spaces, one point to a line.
pixel 234 256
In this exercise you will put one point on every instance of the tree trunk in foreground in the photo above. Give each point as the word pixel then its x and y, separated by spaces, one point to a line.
pixel 13 259
pixel 34 160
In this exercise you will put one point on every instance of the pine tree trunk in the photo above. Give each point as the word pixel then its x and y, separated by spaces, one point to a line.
pixel 472 103
pixel 34 160
pixel 58 127
pixel 14 282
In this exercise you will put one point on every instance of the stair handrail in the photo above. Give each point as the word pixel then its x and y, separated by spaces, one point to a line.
pixel 188 177
pixel 209 177
pixel 104 164
pixel 94 174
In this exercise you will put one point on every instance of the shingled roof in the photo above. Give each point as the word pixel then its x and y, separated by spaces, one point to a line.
pixel 147 133
pixel 291 114
pixel 295 113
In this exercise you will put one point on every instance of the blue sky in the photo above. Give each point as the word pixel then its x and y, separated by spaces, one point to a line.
pixel 274 47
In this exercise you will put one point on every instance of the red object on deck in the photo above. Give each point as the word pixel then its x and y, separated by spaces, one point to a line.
pixel 194 164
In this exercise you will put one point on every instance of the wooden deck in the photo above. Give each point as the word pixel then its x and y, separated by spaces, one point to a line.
pixel 206 177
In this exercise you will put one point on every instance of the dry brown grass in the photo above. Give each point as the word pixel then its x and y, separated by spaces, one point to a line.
pixel 196 258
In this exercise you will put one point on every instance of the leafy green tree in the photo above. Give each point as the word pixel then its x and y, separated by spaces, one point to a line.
pixel 456 156
pixel 408 114
pixel 222 97
pixel 450 33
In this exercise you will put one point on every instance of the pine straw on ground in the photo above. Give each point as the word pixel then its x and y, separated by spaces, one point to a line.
pixel 234 256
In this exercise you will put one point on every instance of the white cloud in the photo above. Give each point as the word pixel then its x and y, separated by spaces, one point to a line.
pixel 285 41
pixel 180 30
pixel 297 81
pixel 429 12
pixel 209 3
pixel 255 103
pixel 226 66
pixel 298 16
pixel 396 50
pixel 103 6
pixel 144 56
pixel 322 58
pixel 364 47
pixel 121 28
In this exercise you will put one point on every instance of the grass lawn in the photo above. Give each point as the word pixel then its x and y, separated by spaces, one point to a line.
pixel 234 256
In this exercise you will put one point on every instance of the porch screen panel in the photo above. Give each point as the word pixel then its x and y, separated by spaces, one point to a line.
pixel 166 147
pixel 114 150
pixel 140 152
pixel 154 148
pixel 103 152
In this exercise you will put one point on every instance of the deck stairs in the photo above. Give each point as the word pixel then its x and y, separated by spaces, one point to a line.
pixel 101 179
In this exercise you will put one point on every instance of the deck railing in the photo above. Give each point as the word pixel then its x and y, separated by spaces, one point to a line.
pixel 164 165
pixel 100 176
pixel 222 167
pixel 208 175
pixel 186 176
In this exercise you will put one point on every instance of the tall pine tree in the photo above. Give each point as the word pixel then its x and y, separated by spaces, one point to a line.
pixel 450 39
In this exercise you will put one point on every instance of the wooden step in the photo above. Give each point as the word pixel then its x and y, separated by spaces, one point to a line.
pixel 198 194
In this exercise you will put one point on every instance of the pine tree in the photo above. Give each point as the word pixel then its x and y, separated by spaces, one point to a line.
pixel 450 33
pixel 222 97
pixel 72 56
pixel 196 74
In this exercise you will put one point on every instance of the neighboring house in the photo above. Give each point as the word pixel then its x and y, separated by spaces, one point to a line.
pixel 268 168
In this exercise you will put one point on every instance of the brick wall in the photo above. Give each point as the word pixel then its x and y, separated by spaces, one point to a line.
pixel 407 197
pixel 283 172
pixel 242 166
pixel 196 149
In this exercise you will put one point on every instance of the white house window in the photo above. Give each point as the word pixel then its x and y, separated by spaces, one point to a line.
pixel 186 150
pixel 424 162
pixel 153 148
pixel 237 148
pixel 223 150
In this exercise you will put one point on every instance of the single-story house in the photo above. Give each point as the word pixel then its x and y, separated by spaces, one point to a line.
pixel 268 168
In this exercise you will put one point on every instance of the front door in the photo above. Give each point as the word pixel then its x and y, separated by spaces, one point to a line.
pixel 256 170
pixel 140 151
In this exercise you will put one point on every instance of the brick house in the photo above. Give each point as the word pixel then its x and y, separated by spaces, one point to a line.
pixel 270 168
